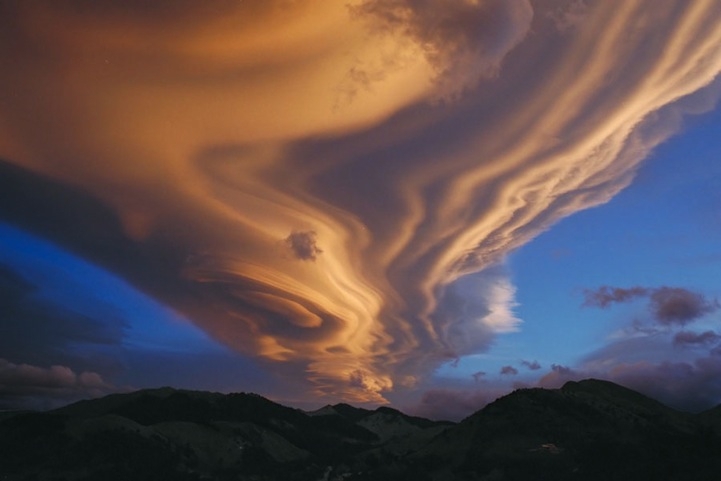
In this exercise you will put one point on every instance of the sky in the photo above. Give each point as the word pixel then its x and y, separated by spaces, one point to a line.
pixel 425 204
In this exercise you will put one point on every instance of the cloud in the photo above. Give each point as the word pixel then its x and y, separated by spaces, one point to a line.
pixel 303 245
pixel 690 386
pixel 463 41
pixel 31 387
pixel 569 15
pixel 674 305
pixel 196 141
pixel 691 339
pixel 476 308
pixel 604 296
pixel 531 365
pixel 560 375
pixel 478 376
pixel 508 371
pixel 686 379
pixel 668 305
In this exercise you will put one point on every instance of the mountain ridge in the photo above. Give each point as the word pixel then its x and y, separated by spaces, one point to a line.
pixel 573 432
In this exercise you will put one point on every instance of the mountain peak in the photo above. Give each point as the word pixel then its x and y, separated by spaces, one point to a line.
pixel 596 386
pixel 567 433
pixel 351 412
pixel 615 393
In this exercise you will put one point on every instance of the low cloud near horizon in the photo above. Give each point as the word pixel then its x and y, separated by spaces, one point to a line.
pixel 32 387
pixel 662 355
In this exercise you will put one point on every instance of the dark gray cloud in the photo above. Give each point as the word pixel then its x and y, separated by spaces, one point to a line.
pixel 695 339
pixel 675 305
pixel 668 305
pixel 604 296
pixel 478 376
pixel 562 370
pixel 532 365
pixel 509 371
pixel 686 379
pixel 303 244
pixel 691 385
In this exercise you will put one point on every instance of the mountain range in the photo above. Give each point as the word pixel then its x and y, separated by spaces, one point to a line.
pixel 587 430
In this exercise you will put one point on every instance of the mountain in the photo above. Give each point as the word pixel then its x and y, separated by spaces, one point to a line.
pixel 588 430
pixel 189 435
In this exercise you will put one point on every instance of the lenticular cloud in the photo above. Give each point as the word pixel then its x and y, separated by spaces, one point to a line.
pixel 310 181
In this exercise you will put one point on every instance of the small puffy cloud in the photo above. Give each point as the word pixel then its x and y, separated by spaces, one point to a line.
pixel 509 371
pixel 478 376
pixel 532 365
pixel 668 305
pixel 695 339
pixel 675 305
pixel 562 370
pixel 303 245
pixel 27 386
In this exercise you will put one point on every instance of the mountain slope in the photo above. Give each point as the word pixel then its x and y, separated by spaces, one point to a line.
pixel 189 435
pixel 591 430
pixel 588 430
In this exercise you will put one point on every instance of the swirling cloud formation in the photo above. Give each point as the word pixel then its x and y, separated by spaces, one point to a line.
pixel 324 184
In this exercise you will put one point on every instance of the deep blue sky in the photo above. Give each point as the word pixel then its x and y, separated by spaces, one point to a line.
pixel 663 230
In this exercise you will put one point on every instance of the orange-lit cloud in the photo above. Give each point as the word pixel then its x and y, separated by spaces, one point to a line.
pixel 329 182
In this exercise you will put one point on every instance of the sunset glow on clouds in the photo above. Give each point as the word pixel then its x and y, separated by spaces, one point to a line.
pixel 331 188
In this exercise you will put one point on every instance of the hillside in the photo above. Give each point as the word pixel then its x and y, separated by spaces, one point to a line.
pixel 588 430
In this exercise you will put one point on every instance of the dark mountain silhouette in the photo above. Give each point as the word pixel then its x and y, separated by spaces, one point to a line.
pixel 588 430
